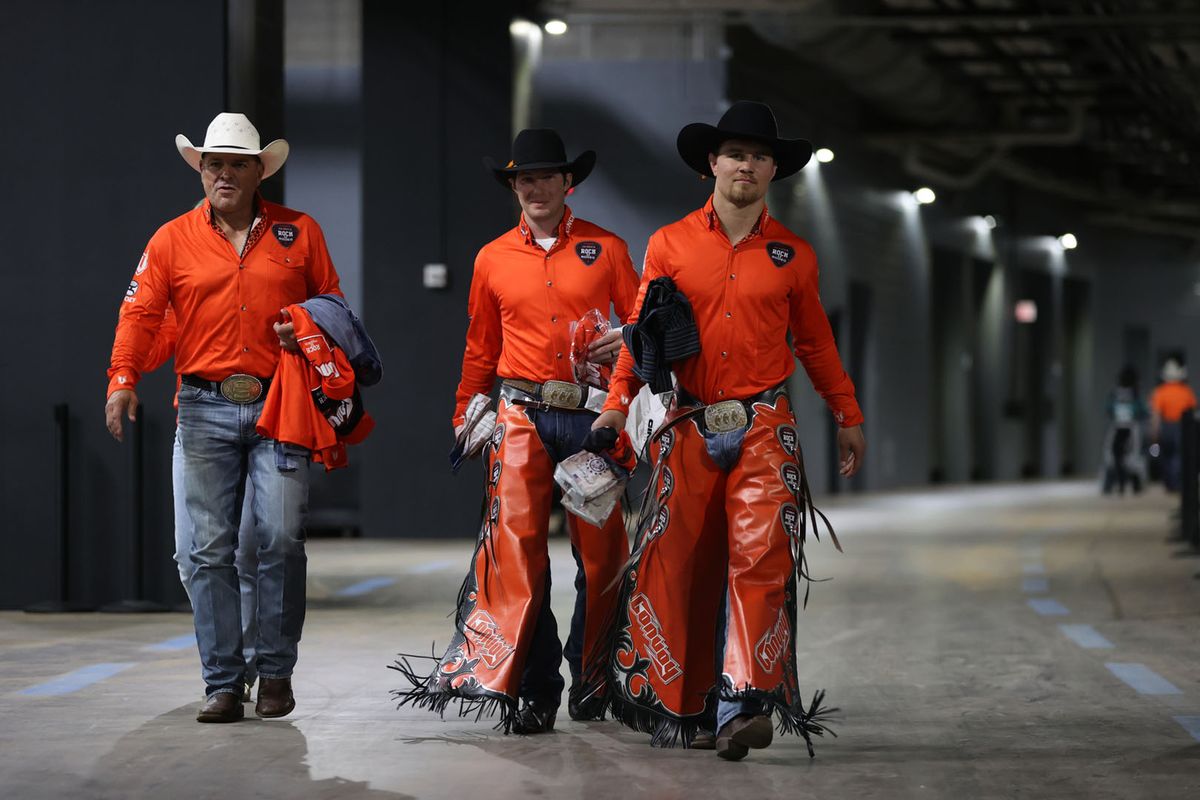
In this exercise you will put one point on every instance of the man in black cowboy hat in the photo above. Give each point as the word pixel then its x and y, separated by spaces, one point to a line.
pixel 528 286
pixel 730 501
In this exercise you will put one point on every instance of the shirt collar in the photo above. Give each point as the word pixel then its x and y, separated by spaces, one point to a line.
pixel 710 217
pixel 563 231
pixel 260 212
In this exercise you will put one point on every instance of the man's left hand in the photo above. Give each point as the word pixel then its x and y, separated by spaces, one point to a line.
pixel 286 331
pixel 605 349
pixel 852 447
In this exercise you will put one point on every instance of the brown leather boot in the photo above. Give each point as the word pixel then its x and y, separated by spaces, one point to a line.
pixel 221 707
pixel 274 697
pixel 737 736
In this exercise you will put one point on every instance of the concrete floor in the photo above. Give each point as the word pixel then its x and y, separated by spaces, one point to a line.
pixel 941 637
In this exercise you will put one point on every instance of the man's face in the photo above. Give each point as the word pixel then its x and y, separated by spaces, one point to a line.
pixel 542 193
pixel 743 171
pixel 230 180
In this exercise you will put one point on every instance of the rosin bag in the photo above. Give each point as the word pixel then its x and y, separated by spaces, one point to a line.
pixel 593 325
pixel 478 423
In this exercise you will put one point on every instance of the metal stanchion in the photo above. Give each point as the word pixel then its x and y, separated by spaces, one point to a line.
pixel 62 507
pixel 137 523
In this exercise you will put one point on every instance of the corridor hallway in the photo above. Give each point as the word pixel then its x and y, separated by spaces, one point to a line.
pixel 1025 640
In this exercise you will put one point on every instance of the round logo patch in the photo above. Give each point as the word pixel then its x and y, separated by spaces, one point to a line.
pixel 787 438
pixel 790 516
pixel 791 476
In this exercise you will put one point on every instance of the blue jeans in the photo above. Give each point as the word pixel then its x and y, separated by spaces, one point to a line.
pixel 245 559
pixel 724 449
pixel 220 452
pixel 562 434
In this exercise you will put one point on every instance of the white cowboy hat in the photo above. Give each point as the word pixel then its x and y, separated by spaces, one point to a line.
pixel 234 133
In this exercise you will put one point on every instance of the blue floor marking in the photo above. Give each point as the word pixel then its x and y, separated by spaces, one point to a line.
pixel 364 587
pixel 1048 608
pixel 79 679
pixel 432 566
pixel 1035 585
pixel 185 642
pixel 1085 636
pixel 1191 725
pixel 1033 569
pixel 1143 679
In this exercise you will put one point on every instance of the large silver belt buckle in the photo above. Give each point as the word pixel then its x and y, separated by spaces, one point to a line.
pixel 728 415
pixel 561 394
pixel 241 389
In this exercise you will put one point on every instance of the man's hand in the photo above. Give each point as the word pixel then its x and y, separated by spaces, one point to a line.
pixel 610 419
pixel 852 446
pixel 605 349
pixel 286 331
pixel 121 403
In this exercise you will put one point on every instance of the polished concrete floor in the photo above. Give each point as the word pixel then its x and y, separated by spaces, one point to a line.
pixel 1032 641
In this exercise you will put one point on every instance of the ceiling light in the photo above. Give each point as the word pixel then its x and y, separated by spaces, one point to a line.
pixel 924 195
pixel 1068 241
pixel 824 155
pixel 555 27
pixel 521 27
pixel 990 220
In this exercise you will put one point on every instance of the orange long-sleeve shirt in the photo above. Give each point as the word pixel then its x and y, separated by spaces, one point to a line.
pixel 523 300
pixel 745 299
pixel 225 304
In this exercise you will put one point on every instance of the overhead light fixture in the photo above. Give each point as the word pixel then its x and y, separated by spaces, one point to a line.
pixel 521 27
pixel 990 220
pixel 824 155
pixel 924 195
pixel 555 27
pixel 1068 241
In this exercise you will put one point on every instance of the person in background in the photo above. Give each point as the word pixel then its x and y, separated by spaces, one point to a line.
pixel 1170 401
pixel 1123 461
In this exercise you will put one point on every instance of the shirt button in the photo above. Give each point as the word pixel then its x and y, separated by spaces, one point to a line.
pixel 560 355
pixel 549 283
pixel 720 392
pixel 728 314
pixel 245 349
pixel 734 275
pixel 241 266
pixel 554 319
pixel 243 308
pixel 724 354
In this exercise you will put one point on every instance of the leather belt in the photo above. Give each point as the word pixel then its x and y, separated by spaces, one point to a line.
pixel 551 394
pixel 240 388
pixel 727 415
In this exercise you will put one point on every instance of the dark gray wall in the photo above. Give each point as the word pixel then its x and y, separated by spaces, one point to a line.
pixel 94 94
pixel 436 97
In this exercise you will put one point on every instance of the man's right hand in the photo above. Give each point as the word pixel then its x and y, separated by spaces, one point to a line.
pixel 610 419
pixel 121 403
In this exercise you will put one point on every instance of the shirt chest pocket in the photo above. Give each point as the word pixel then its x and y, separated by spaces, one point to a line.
pixel 287 272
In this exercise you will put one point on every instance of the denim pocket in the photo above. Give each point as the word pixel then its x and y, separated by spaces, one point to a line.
pixel 188 393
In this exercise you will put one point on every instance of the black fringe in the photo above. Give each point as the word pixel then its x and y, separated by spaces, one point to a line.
pixel 425 694
pixel 791 718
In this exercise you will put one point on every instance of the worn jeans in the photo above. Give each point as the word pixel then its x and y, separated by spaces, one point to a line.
pixel 245 559
pixel 221 451
pixel 724 449
pixel 562 434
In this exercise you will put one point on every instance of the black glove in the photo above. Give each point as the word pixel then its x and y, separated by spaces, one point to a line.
pixel 600 439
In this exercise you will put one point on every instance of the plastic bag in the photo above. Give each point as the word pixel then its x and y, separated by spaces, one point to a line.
pixel 583 332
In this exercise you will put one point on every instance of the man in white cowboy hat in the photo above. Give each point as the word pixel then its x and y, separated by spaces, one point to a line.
pixel 528 286
pixel 226 268
pixel 730 500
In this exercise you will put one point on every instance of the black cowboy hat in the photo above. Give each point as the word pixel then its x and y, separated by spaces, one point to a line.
pixel 541 148
pixel 748 120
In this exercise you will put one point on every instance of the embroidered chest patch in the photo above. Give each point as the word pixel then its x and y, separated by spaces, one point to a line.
pixel 285 233
pixel 588 252
pixel 781 254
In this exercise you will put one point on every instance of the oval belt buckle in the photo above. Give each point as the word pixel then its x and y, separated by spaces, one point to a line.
pixel 728 415
pixel 241 389
pixel 561 394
